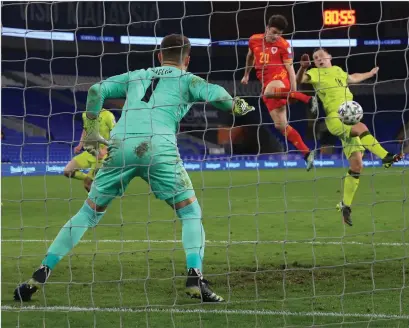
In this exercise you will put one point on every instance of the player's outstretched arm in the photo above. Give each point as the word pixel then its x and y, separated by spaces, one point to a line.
pixel 359 77
pixel 113 87
pixel 200 90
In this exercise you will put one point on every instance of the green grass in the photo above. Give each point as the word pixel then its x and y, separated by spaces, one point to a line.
pixel 356 271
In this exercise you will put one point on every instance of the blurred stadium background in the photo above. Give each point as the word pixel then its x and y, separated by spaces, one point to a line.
pixel 44 82
pixel 53 52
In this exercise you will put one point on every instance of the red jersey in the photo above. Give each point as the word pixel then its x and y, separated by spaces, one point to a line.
pixel 270 57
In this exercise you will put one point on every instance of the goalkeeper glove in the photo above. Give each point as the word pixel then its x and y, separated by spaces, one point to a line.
pixel 93 139
pixel 241 107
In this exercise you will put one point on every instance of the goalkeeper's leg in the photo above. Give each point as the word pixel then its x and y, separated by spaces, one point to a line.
pixel 193 239
pixel 369 142
pixel 109 183
pixel 71 233
pixel 81 161
pixel 351 181
pixel 169 181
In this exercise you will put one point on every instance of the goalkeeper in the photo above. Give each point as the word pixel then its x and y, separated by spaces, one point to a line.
pixel 86 160
pixel 331 85
pixel 143 143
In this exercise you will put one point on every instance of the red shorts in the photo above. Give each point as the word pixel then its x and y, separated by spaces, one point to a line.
pixel 274 103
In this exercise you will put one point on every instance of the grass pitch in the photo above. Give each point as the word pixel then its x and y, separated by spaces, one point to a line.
pixel 277 251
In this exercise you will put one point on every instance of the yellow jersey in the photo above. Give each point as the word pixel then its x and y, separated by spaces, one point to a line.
pixel 106 122
pixel 331 85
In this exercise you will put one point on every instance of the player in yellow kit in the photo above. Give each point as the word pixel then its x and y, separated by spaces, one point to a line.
pixel 331 84
pixel 86 160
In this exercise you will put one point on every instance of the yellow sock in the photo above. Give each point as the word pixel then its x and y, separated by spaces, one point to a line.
pixel 351 183
pixel 79 175
pixel 370 143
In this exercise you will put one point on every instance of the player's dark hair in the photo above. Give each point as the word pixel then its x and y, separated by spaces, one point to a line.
pixel 175 48
pixel 278 21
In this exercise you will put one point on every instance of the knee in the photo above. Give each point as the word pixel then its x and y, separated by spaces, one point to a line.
pixel 280 126
pixel 359 130
pixel 270 88
pixel 356 166
pixel 190 210
pixel 95 212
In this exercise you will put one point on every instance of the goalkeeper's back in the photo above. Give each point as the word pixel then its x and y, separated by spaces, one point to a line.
pixel 157 99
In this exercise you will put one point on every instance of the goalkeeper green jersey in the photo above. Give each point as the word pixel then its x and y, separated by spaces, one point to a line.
pixel 156 99
pixel 331 85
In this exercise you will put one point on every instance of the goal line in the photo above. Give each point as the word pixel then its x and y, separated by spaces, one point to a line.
pixel 215 242
pixel 372 316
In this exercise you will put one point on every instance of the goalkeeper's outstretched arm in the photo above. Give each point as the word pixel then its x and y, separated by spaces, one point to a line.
pixel 200 90
pixel 113 87
pixel 359 77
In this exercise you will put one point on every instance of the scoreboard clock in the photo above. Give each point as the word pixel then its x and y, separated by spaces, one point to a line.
pixel 339 17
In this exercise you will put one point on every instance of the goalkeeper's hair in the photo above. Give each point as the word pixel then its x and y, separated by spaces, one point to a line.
pixel 278 21
pixel 175 48
pixel 323 49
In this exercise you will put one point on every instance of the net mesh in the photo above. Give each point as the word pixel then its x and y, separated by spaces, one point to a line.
pixel 276 250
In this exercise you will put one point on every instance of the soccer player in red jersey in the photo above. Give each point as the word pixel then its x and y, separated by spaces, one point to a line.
pixel 271 55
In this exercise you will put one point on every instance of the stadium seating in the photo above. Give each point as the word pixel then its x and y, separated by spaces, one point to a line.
pixel 58 112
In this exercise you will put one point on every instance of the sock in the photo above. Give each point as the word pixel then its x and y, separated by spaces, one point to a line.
pixel 370 143
pixel 286 93
pixel 79 175
pixel 294 137
pixel 70 234
pixel 351 183
pixel 193 235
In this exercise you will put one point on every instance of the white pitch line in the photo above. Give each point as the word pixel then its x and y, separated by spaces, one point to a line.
pixel 214 242
pixel 203 311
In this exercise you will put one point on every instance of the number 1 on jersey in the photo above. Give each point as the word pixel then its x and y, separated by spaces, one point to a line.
pixel 150 89
pixel 264 58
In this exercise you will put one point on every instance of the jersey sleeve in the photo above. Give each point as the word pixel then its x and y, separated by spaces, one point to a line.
pixel 313 74
pixel 286 52
pixel 113 87
pixel 342 73
pixel 252 43
pixel 201 90
pixel 110 120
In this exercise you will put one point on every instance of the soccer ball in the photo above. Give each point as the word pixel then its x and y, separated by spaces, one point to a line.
pixel 350 112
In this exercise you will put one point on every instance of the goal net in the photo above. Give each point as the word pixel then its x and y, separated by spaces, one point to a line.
pixel 276 248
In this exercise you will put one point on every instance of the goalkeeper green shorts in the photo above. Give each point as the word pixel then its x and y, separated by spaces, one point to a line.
pixel 155 159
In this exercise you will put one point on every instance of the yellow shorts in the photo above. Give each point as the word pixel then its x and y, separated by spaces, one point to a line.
pixel 87 161
pixel 342 131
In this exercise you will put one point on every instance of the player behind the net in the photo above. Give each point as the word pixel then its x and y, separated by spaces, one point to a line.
pixel 88 160
pixel 331 84
pixel 143 144
pixel 272 58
